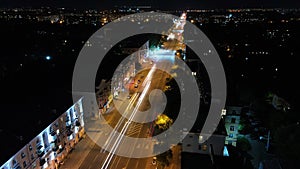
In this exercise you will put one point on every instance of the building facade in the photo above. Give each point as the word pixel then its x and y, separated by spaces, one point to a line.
pixel 232 121
pixel 202 143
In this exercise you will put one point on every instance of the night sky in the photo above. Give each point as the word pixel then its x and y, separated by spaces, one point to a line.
pixel 163 4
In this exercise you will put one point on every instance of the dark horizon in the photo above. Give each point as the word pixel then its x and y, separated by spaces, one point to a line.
pixel 175 5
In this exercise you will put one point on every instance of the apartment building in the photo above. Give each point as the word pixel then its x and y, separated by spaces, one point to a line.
pixel 51 146
pixel 232 121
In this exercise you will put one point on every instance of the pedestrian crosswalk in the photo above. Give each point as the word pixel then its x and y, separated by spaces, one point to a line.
pixel 134 128
pixel 142 146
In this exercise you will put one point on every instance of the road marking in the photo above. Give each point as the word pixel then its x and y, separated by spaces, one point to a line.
pixel 95 158
pixel 133 129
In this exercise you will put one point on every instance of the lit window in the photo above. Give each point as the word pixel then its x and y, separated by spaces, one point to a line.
pixel 24 164
pixel 14 162
pixel 204 147
pixel 23 155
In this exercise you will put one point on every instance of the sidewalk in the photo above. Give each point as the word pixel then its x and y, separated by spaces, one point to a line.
pixel 149 164
pixel 75 158
pixel 175 162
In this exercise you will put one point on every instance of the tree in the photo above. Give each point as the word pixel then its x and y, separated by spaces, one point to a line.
pixel 163 159
pixel 163 122
pixel 244 126
pixel 243 144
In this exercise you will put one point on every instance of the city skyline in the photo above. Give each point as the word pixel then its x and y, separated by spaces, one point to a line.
pixel 166 5
pixel 257 47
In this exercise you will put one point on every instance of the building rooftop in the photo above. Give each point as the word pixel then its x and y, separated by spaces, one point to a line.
pixel 204 161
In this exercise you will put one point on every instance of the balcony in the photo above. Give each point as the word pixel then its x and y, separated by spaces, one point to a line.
pixel 39 146
pixel 42 161
pixel 60 150
pixel 40 153
pixel 55 148
pixel 69 132
pixel 77 123
pixel 67 119
pixel 54 141
pixel 17 167
pixel 52 133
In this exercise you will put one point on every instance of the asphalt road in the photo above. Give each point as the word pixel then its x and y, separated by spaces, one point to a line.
pixel 97 157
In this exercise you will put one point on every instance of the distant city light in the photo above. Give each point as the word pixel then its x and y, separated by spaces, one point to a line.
pixel 48 57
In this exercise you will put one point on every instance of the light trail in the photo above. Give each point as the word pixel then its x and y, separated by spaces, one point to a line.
pixel 149 75
pixel 125 127
pixel 107 143
pixel 146 82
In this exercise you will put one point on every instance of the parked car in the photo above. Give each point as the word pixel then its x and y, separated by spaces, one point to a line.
pixel 154 161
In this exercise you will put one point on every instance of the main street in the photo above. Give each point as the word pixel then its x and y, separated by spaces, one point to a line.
pixel 98 157
pixel 126 109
